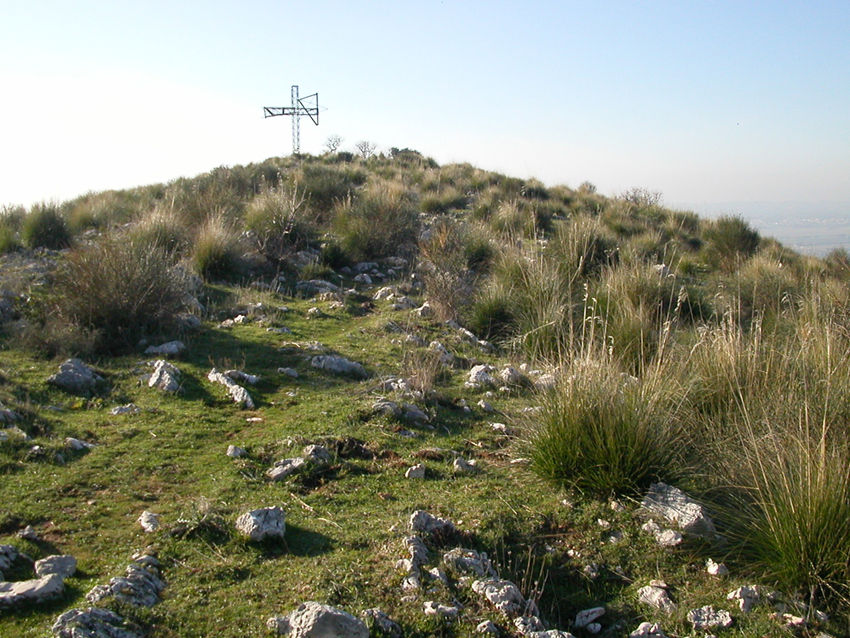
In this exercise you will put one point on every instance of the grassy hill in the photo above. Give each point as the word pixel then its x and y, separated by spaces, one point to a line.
pixel 628 344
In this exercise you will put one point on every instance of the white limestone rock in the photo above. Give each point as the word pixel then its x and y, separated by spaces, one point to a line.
pixel 679 509
pixel 338 365
pixel 656 597
pixel 165 377
pixel 236 452
pixel 149 521
pixel 261 524
pixel 586 617
pixel 432 608
pixel 239 394
pixel 35 591
pixel 75 377
pixel 469 561
pixel 708 618
pixel 64 566
pixel 461 466
pixel 716 569
pixel 747 597
pixel 315 620
pixel 383 622
pixel 480 377
pixel 502 594
pixel 91 623
pixel 426 523
pixel 648 630
pixel 170 349
pixel 130 408
pixel 415 472
pixel 285 467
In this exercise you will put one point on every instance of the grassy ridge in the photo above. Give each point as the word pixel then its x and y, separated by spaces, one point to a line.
pixel 685 350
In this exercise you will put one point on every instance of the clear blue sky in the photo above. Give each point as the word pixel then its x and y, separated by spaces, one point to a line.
pixel 706 102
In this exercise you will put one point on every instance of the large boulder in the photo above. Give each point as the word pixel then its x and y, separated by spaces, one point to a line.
pixel 64 565
pixel 315 620
pixel 262 524
pixel 75 377
pixel 165 377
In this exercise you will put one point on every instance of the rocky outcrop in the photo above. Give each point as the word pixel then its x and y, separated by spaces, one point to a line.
pixel 262 524
pixel 315 620
pixel 75 377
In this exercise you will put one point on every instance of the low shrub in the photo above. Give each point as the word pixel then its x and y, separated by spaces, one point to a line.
pixel 121 291
pixel 729 242
pixel 381 221
pixel 280 221
pixel 44 227
pixel 162 228
pixel 8 239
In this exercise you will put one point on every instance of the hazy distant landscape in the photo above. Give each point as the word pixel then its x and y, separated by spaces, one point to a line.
pixel 813 228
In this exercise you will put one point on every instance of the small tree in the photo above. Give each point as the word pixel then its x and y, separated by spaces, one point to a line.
pixel 366 149
pixel 333 143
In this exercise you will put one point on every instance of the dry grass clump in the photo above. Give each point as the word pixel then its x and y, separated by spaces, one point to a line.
pixel 216 251
pixel 120 291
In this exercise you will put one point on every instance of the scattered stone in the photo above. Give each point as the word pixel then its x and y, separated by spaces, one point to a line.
pixel 656 597
pixel 77 445
pixel 290 372
pixel 446 357
pixel 285 468
pixel 314 620
pixel 469 561
pixel 462 466
pixel 92 623
pixel 422 521
pixel 383 622
pixel 588 616
pixel 648 630
pixel 747 597
pixel 75 377
pixel 668 538
pixel 502 594
pixel 424 311
pixel 170 349
pixel 415 472
pixel 140 586
pixel 8 555
pixel 511 376
pixel 716 569
pixel 64 566
pixel 317 454
pixel 480 377
pixel 165 377
pixel 315 313
pixel 546 382
pixel 387 408
pixel 130 408
pixel 486 407
pixel 411 412
pixel 235 452
pixel 529 626
pixel 260 524
pixel 239 375
pixel 488 627
pixel 149 521
pixel 707 618
pixel 363 278
pixel 237 392
pixel 675 506
pixel 28 533
pixel 189 322
pixel 35 591
pixel 339 365
pixel 7 415
pixel 432 608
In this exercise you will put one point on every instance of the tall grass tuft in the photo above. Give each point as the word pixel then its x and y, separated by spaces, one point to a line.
pixel 216 253
pixel 604 432
pixel 44 227
pixel 280 221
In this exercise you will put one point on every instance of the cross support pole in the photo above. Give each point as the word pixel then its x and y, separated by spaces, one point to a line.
pixel 308 106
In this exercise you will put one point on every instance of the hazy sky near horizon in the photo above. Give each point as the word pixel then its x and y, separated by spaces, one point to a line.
pixel 705 102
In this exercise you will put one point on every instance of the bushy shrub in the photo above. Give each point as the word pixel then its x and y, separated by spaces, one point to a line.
pixel 333 255
pixel 44 227
pixel 216 251
pixel 491 316
pixel 605 433
pixel 325 186
pixel 729 242
pixel 8 239
pixel 280 221
pixel 121 291
pixel 381 221
pixel 443 268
